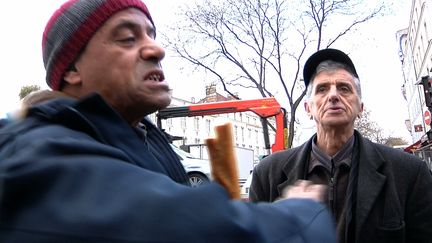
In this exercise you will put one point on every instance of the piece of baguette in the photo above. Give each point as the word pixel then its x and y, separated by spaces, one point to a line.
pixel 223 160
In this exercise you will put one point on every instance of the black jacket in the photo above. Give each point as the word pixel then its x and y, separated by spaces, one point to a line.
pixel 394 193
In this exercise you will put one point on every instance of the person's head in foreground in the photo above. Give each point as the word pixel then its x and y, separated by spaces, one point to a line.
pixel 107 47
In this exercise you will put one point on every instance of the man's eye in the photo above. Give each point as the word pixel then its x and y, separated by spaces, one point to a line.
pixel 321 89
pixel 345 88
pixel 127 40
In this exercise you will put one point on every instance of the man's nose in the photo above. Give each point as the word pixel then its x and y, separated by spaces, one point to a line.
pixel 151 50
pixel 333 94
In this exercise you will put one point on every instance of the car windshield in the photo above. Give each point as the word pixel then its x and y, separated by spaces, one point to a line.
pixel 182 153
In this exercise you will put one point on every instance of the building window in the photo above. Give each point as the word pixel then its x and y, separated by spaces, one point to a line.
pixel 183 122
pixel 196 123
pixel 208 125
pixel 242 134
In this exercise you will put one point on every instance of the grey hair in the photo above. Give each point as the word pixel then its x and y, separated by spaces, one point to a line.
pixel 329 66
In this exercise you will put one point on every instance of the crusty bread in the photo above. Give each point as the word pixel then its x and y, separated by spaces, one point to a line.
pixel 223 160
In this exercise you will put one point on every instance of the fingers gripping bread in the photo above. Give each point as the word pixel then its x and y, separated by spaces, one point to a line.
pixel 223 160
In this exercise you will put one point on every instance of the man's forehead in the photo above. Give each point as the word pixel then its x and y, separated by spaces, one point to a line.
pixel 334 81
pixel 335 76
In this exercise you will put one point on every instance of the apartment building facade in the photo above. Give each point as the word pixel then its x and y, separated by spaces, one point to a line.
pixel 415 52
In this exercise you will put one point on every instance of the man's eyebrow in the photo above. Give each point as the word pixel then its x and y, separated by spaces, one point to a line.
pixel 125 24
pixel 345 81
pixel 325 82
pixel 132 25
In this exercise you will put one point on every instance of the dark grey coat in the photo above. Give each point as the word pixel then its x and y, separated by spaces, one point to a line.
pixel 394 200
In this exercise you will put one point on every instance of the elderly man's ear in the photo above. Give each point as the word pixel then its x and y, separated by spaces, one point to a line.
pixel 306 107
pixel 359 115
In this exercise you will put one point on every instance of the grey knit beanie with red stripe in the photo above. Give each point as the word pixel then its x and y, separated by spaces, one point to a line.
pixel 71 27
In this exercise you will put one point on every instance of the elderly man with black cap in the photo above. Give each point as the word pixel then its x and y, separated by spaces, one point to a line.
pixel 376 194
pixel 84 165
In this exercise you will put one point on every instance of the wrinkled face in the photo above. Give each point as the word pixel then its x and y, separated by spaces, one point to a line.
pixel 122 63
pixel 334 101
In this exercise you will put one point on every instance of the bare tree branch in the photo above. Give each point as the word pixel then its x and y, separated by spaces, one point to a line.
pixel 355 23
pixel 261 44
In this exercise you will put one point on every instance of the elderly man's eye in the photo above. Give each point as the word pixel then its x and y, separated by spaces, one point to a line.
pixel 345 88
pixel 321 89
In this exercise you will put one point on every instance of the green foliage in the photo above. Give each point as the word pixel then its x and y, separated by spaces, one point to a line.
pixel 25 90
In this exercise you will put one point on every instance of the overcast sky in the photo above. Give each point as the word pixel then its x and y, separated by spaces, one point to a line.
pixel 374 53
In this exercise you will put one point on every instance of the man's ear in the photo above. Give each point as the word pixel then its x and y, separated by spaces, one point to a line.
pixel 72 77
pixel 306 107
pixel 361 110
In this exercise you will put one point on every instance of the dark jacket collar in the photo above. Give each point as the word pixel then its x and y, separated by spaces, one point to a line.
pixel 93 116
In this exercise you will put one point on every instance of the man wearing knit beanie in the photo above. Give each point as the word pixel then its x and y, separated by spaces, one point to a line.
pixel 85 165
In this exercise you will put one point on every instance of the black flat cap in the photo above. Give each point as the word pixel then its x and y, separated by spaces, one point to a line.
pixel 324 55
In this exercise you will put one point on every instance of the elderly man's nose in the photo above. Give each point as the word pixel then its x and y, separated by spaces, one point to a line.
pixel 333 94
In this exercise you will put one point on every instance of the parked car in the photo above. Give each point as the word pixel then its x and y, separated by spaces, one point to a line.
pixel 198 170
